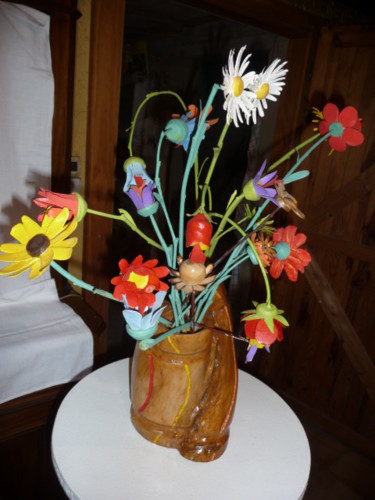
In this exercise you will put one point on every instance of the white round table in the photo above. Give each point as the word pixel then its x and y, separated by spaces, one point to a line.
pixel 98 455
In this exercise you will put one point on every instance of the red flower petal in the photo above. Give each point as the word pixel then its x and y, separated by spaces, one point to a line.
pixel 353 137
pixel 144 300
pixel 299 240
pixel 151 263
pixel 263 334
pixel 123 265
pixel 278 235
pixel 250 326
pixel 291 271
pixel 289 234
pixel 337 143
pixel 161 271
pixel 348 116
pixel 197 254
pixel 276 268
pixel 331 112
pixel 323 127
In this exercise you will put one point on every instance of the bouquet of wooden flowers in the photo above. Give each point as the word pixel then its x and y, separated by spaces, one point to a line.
pixel 191 272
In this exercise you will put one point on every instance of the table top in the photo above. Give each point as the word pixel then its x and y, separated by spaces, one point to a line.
pixel 98 454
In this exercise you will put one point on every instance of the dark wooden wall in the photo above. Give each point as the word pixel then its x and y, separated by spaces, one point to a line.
pixel 325 365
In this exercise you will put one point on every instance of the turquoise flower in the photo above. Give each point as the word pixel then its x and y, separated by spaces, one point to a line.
pixel 143 326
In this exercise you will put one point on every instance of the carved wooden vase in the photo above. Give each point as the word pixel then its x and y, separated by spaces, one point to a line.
pixel 183 390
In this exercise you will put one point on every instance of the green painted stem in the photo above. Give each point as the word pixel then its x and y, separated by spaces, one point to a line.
pixel 147 344
pixel 147 98
pixel 168 251
pixel 261 266
pixel 133 227
pixel 160 197
pixel 195 143
pixel 224 220
pixel 291 152
pixel 215 157
pixel 306 154
pixel 82 284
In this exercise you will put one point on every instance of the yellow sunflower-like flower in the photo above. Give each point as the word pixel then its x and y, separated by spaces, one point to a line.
pixel 38 244
pixel 266 86
pixel 238 97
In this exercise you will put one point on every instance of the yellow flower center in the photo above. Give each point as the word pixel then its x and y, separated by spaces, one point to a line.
pixel 237 86
pixel 139 280
pixel 263 91
pixel 37 245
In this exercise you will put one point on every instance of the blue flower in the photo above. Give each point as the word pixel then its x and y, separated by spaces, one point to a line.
pixel 180 128
pixel 143 326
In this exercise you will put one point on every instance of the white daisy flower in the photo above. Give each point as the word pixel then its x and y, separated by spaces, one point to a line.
pixel 238 98
pixel 267 85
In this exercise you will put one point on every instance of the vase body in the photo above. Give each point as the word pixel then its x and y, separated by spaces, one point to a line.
pixel 183 390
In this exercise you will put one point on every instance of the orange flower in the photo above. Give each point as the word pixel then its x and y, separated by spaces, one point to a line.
pixel 263 245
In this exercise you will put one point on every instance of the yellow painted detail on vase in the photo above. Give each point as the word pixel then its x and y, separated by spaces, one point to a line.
pixel 187 370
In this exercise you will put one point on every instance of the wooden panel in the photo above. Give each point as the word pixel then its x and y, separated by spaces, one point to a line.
pixel 319 364
pixel 104 96
pixel 272 15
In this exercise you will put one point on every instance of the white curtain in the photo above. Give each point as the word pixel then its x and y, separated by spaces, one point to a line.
pixel 42 341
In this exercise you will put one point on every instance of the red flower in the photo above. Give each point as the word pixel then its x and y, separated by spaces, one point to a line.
pixel 138 280
pixel 199 231
pixel 345 127
pixel 289 256
pixel 53 203
pixel 258 330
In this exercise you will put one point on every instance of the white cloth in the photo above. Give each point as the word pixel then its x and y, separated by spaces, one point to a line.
pixel 26 112
pixel 43 342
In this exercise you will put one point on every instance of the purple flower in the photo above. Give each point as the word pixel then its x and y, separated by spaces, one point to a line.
pixel 141 193
pixel 139 186
pixel 259 187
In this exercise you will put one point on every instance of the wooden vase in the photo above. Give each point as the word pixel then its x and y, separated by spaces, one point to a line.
pixel 183 390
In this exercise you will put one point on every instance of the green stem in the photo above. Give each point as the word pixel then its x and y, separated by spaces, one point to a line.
pixel 175 302
pixel 291 152
pixel 133 227
pixel 195 143
pixel 147 344
pixel 224 220
pixel 215 157
pixel 253 247
pixel 306 154
pixel 147 98
pixel 165 247
pixel 82 284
